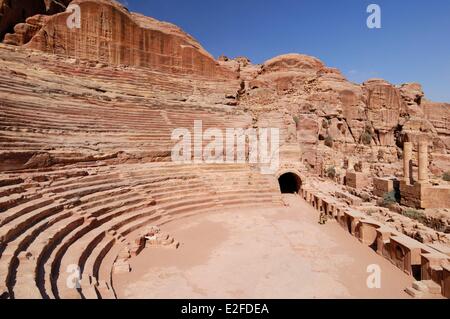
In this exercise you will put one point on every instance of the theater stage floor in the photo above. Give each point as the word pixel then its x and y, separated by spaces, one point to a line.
pixel 259 253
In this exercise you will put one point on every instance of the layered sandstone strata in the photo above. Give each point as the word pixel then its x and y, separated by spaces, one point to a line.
pixel 109 33
pixel 86 117
pixel 368 122
pixel 85 165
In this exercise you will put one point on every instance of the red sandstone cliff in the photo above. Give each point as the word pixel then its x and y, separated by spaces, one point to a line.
pixel 86 118
pixel 337 119
pixel 110 34
pixel 317 108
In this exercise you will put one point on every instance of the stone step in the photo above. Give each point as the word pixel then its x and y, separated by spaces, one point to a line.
pixel 77 254
pixel 71 238
pixel 433 288
pixel 414 293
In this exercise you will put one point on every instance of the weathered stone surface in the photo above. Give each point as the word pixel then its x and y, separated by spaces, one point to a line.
pixel 438 114
pixel 371 120
pixel 24 32
pixel 86 117
pixel 110 34
pixel 17 11
pixel 412 94
pixel 297 63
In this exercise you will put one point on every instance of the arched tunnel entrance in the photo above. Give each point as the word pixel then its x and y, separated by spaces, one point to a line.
pixel 290 183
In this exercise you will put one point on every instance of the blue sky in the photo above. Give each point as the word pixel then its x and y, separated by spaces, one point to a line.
pixel 413 44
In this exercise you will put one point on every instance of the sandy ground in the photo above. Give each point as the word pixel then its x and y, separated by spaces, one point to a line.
pixel 269 253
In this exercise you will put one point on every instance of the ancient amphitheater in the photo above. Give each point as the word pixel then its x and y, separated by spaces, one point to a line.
pixel 86 176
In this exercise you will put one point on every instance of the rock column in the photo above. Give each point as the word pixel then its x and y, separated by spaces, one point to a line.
pixel 407 157
pixel 423 162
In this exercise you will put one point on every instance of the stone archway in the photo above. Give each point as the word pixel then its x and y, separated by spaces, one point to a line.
pixel 290 183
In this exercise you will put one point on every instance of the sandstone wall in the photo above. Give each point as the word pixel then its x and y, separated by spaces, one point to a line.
pixel 439 115
pixel 425 196
pixel 357 180
pixel 334 119
pixel 436 197
pixel 13 12
pixel 110 34
pixel 411 195
pixel 337 119
pixel 382 186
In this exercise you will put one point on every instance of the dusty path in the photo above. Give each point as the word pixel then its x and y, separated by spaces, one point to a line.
pixel 277 253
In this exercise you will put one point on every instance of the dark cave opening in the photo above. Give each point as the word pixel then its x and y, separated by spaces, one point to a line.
pixel 290 183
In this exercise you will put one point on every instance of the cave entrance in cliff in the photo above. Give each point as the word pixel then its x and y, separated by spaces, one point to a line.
pixel 290 183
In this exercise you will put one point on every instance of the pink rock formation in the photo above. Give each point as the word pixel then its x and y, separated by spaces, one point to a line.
pixel 115 36
pixel 15 11
pixel 384 106
pixel 86 117
pixel 293 62
pixel 24 32
pixel 355 119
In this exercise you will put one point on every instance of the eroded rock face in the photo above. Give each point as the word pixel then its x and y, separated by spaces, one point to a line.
pixel 86 117
pixel 324 119
pixel 384 106
pixel 110 34
pixel 412 93
pixel 367 122
pixel 13 12
pixel 439 116
pixel 293 62
pixel 24 32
